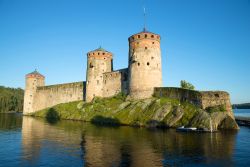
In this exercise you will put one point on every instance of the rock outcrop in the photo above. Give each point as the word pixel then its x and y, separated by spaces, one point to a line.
pixel 151 112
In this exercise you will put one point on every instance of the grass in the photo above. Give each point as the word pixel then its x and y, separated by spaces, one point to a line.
pixel 218 108
pixel 116 110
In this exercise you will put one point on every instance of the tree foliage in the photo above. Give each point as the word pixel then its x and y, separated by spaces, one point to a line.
pixel 187 85
pixel 11 99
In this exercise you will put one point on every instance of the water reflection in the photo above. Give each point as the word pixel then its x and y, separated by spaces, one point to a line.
pixel 70 143
pixel 10 121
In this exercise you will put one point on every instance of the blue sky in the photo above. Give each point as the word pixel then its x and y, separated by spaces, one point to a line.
pixel 206 42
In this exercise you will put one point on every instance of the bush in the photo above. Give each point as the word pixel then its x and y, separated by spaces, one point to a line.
pixel 187 85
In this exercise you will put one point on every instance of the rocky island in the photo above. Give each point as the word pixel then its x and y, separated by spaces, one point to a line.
pixel 130 96
pixel 151 112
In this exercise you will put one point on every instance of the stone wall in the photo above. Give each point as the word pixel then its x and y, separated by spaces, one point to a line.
pixel 215 98
pixel 115 82
pixel 204 99
pixel 48 96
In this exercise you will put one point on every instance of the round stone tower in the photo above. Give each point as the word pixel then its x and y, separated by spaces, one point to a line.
pixel 99 62
pixel 145 70
pixel 33 80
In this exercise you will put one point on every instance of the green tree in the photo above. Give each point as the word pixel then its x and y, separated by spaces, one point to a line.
pixel 187 85
pixel 11 99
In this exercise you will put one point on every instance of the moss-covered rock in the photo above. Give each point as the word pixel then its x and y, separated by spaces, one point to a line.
pixel 151 112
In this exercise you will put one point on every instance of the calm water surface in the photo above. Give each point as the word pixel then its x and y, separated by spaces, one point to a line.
pixel 26 141
pixel 242 112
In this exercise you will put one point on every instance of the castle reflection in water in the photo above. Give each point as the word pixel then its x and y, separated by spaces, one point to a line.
pixel 83 144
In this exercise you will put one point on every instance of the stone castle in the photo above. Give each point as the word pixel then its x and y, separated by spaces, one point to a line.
pixel 140 80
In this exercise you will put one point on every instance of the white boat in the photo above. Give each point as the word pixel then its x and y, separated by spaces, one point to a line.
pixel 183 129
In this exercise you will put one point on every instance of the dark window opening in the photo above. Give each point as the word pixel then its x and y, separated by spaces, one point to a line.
pixel 91 65
pixel 148 63
pixel 138 64
pixel 152 36
pixel 146 48
pixel 103 53
pixel 217 95
pixel 146 35
pixel 139 36
pixel 153 42
pixel 125 78
pixel 98 53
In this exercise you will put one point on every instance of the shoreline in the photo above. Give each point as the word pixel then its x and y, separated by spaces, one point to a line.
pixel 149 113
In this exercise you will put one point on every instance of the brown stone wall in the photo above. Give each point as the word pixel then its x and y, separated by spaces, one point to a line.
pixel 204 99
pixel 48 96
pixel 215 98
pixel 115 82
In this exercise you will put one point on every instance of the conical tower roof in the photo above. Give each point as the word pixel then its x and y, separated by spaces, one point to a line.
pixel 34 74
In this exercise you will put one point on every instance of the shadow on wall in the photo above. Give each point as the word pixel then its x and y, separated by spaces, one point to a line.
pixel 52 116
pixel 106 121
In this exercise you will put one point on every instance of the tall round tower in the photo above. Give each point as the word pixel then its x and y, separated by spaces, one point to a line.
pixel 33 80
pixel 99 62
pixel 145 70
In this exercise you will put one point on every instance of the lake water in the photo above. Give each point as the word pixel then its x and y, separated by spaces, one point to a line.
pixel 242 112
pixel 26 141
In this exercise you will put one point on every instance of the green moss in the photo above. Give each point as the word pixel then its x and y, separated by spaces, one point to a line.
pixel 219 108
pixel 116 110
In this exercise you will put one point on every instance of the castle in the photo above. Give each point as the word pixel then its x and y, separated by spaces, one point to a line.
pixel 138 81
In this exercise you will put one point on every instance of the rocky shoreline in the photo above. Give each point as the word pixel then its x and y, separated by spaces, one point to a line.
pixel 151 112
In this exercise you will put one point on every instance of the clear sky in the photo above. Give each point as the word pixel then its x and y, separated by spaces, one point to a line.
pixel 206 42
